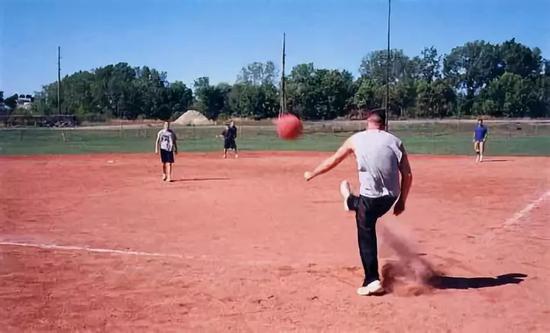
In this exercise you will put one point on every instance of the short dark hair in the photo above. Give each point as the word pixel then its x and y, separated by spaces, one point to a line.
pixel 378 116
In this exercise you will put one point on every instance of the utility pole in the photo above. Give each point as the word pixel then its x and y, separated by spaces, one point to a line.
pixel 388 59
pixel 282 111
pixel 59 80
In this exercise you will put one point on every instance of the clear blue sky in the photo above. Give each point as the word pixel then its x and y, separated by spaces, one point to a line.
pixel 215 38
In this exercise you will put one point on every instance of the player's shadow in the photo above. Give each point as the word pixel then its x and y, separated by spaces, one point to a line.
pixel 495 160
pixel 200 179
pixel 455 282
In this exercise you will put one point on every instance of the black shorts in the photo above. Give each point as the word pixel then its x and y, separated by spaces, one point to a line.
pixel 229 144
pixel 166 156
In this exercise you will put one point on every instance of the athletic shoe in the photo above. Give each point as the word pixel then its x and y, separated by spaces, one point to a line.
pixel 373 288
pixel 345 192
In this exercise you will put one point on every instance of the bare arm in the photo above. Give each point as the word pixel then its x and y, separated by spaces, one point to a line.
pixel 175 143
pixel 157 143
pixel 406 182
pixel 331 162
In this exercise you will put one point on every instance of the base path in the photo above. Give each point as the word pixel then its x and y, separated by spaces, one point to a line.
pixel 100 243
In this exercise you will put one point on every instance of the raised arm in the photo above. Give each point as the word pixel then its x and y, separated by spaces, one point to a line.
pixel 406 182
pixel 331 162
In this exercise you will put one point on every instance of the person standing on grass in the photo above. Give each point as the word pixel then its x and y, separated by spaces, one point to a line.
pixel 229 135
pixel 480 136
pixel 381 158
pixel 167 143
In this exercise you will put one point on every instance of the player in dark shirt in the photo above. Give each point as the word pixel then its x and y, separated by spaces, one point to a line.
pixel 229 135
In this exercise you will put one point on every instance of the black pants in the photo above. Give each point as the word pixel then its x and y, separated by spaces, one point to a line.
pixel 367 211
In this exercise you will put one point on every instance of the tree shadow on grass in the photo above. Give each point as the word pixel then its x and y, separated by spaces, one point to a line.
pixel 455 282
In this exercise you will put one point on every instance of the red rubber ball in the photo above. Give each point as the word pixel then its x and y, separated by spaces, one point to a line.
pixel 289 127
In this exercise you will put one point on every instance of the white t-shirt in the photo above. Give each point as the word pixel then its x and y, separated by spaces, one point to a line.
pixel 378 155
pixel 166 138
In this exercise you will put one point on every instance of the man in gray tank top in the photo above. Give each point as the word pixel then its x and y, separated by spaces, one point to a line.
pixel 381 160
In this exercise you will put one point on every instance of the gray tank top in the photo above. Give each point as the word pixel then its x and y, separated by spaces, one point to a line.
pixel 378 156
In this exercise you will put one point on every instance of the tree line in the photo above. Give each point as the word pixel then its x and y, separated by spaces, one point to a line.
pixel 478 78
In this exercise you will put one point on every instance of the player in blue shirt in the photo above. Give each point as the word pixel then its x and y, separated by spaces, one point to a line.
pixel 480 136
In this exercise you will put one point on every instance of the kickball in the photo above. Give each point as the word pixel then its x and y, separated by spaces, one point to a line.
pixel 289 127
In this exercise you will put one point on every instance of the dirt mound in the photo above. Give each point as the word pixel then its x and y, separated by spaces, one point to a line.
pixel 193 117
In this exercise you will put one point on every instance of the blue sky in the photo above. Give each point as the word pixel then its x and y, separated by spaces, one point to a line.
pixel 215 38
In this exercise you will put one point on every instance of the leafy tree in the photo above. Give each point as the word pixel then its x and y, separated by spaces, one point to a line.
pixel 507 96
pixel 180 96
pixel 252 101
pixel 519 59
pixel 366 94
pixel 427 66
pixel 258 73
pixel 373 66
pixel 213 100
pixel 434 99
pixel 320 93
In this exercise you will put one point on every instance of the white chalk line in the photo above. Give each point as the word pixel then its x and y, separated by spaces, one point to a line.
pixel 202 258
pixel 94 250
pixel 520 214
pixel 516 218
pixel 511 221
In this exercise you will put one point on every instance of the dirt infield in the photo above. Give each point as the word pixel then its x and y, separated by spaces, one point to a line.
pixel 99 243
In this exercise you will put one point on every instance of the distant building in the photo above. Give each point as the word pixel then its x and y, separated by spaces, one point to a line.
pixel 25 101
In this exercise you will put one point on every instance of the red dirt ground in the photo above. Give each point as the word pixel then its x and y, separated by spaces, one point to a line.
pixel 259 249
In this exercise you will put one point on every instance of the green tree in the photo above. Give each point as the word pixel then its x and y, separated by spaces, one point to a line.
pixel 253 101
pixel 366 94
pixel 507 96
pixel 320 93
pixel 258 73
pixel 435 99
pixel 180 96
pixel 427 66
pixel 519 59
pixel 213 100
pixel 471 67
pixel 373 66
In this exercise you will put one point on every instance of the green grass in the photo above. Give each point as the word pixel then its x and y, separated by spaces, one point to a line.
pixel 419 138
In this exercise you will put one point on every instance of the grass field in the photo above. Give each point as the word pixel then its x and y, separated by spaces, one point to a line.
pixel 422 138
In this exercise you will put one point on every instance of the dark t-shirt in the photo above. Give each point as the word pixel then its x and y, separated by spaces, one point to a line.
pixel 230 133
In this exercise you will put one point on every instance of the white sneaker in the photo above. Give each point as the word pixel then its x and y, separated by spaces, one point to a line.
pixel 373 288
pixel 345 192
